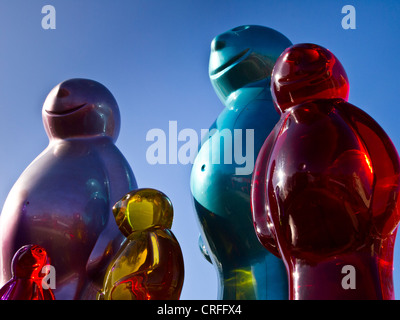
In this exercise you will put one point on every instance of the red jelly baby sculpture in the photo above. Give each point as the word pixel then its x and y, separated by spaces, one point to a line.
pixel 28 280
pixel 326 184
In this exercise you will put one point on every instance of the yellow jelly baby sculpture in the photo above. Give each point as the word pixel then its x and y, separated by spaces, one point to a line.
pixel 149 264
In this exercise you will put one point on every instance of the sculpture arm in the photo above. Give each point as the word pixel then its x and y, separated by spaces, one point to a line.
pixel 121 180
pixel 203 249
pixel 384 161
pixel 259 205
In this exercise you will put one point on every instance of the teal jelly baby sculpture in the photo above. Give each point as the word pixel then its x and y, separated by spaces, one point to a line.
pixel 241 63
pixel 63 200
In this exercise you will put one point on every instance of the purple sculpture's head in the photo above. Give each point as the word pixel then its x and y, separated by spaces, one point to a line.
pixel 79 108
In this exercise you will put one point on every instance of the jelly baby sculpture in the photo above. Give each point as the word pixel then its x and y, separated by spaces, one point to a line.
pixel 63 200
pixel 27 276
pixel 325 185
pixel 240 67
pixel 149 265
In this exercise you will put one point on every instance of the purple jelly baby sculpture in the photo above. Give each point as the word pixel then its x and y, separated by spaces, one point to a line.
pixel 63 200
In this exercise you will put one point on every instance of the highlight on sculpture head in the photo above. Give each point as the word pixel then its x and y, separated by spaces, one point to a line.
pixel 149 265
pixel 27 278
pixel 63 199
pixel 240 66
pixel 325 191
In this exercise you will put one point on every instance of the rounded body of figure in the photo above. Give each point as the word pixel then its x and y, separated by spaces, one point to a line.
pixel 326 183
pixel 241 62
pixel 149 265
pixel 63 200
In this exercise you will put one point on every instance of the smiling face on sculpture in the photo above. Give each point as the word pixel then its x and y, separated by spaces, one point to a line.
pixel 242 57
pixel 80 108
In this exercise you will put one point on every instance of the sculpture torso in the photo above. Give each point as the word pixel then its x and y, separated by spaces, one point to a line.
pixel 149 266
pixel 325 189
pixel 62 202
pixel 222 201
pixel 240 65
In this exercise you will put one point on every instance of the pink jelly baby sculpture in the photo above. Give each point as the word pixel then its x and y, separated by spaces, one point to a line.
pixel 325 189
pixel 28 276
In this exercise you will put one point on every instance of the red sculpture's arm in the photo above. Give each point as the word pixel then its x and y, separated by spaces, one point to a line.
pixel 259 205
pixel 385 163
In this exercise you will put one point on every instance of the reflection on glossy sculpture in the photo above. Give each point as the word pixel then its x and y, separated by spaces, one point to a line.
pixel 326 183
pixel 149 265
pixel 27 276
pixel 63 200
pixel 241 63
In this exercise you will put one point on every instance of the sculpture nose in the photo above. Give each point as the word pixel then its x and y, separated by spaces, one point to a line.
pixel 62 93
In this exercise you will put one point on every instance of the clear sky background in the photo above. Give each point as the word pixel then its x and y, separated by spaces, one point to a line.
pixel 153 56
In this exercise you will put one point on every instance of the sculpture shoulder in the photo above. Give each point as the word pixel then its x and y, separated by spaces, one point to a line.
pixel 59 162
pixel 6 289
pixel 383 153
pixel 370 131
pixel 258 115
pixel 118 170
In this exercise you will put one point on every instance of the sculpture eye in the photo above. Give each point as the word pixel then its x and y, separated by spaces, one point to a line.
pixel 62 93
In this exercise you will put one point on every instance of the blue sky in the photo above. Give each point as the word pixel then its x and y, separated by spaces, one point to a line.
pixel 153 56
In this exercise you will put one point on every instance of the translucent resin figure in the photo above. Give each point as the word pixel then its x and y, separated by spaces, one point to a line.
pixel 149 265
pixel 63 200
pixel 27 276
pixel 241 63
pixel 326 183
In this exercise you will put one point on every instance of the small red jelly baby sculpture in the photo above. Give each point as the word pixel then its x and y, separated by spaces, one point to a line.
pixel 27 280
pixel 149 264
pixel 325 187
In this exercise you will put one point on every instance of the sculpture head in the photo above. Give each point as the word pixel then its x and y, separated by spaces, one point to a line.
pixel 28 262
pixel 80 108
pixel 307 72
pixel 143 209
pixel 243 57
